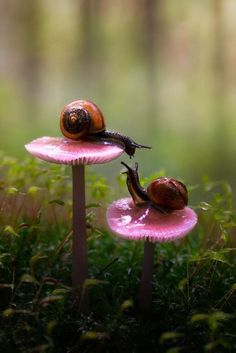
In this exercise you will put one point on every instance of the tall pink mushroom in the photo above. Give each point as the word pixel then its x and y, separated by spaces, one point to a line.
pixel 139 218
pixel 86 142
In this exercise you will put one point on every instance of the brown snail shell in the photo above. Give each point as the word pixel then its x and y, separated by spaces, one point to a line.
pixel 81 118
pixel 168 193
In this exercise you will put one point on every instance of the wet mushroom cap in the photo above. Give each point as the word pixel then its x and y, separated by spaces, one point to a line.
pixel 146 223
pixel 66 151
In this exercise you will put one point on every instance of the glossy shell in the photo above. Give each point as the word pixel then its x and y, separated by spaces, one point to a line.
pixel 83 118
pixel 168 193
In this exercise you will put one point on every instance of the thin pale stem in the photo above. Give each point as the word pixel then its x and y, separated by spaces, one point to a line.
pixel 79 243
pixel 145 290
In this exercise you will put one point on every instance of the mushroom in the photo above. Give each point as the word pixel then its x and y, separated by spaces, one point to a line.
pixel 79 150
pixel 159 217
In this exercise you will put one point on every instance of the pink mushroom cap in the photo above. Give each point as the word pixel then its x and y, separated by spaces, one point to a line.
pixel 74 152
pixel 146 223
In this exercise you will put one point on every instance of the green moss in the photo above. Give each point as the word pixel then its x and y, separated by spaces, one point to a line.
pixel 193 286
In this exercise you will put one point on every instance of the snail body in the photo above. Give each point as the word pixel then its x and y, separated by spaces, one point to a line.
pixel 82 119
pixel 164 194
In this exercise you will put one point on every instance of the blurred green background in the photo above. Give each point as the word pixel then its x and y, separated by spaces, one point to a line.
pixel 162 71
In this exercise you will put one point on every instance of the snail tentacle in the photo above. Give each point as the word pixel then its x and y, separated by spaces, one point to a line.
pixel 128 143
pixel 138 193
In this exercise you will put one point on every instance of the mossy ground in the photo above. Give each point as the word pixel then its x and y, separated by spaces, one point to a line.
pixel 193 285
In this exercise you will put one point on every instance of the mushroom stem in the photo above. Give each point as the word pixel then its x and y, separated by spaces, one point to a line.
pixel 79 243
pixel 145 290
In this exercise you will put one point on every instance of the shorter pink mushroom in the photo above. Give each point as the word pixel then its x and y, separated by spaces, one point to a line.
pixel 140 218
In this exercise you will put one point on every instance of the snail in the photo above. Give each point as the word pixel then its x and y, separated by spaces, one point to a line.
pixel 82 119
pixel 164 194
